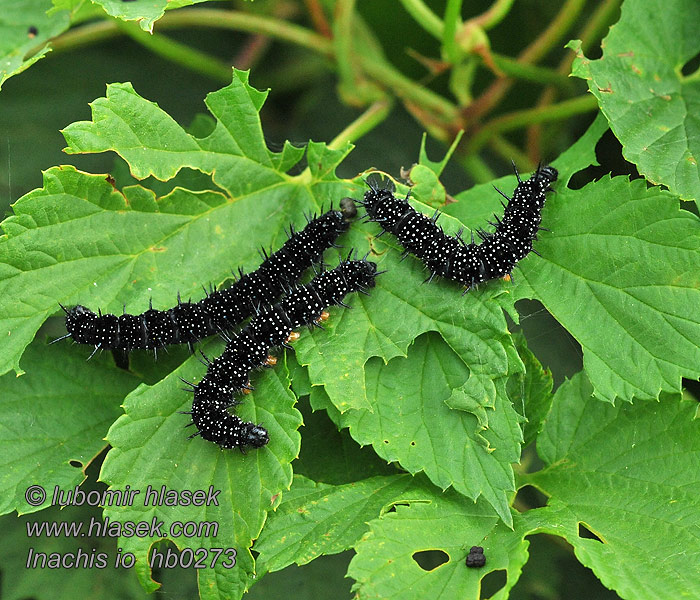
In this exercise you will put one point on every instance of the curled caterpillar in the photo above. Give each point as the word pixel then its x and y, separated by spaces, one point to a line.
pixel 221 310
pixel 249 349
pixel 450 256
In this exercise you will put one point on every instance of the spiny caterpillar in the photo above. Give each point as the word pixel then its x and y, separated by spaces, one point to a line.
pixel 450 256
pixel 189 322
pixel 273 326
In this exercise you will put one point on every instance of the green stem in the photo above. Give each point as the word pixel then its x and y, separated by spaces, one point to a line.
pixel 203 17
pixel 519 70
pixel 452 20
pixel 508 151
pixel 85 35
pixel 494 15
pixel 523 118
pixel 342 40
pixel 477 168
pixel 179 53
pixel 240 21
pixel 425 17
pixel 555 32
pixel 602 18
pixel 534 52
pixel 367 121
pixel 409 90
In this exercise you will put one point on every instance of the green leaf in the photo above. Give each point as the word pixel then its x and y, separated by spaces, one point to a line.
pixel 621 275
pixel 47 583
pixel 315 519
pixel 74 240
pixel 628 474
pixel 150 448
pixel 154 144
pixel 17 41
pixel 531 390
pixel 411 423
pixel 386 564
pixel 398 311
pixel 145 13
pixel 618 271
pixel 639 84
pixel 331 456
pixel 46 425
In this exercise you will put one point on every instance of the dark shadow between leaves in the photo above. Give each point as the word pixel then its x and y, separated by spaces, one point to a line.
pixel 529 497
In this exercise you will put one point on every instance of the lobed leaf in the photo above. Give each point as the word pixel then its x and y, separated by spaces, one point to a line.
pixel 412 424
pixel 316 519
pixel 150 449
pixel 642 90
pixel 47 437
pixel 25 29
pixel 629 475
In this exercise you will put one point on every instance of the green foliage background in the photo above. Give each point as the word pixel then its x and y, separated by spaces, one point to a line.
pixel 550 419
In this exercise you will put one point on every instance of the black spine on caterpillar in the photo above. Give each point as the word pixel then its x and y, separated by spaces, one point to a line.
pixel 229 373
pixel 220 310
pixel 450 256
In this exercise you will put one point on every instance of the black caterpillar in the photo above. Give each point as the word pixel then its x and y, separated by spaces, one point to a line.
pixel 450 256
pixel 219 310
pixel 273 326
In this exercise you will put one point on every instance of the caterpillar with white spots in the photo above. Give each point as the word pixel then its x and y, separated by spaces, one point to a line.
pixel 450 256
pixel 229 374
pixel 220 310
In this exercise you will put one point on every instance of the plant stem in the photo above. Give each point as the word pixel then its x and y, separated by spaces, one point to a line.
pixel 477 168
pixel 554 33
pixel 240 21
pixel 201 17
pixel 550 36
pixel 592 31
pixel 406 88
pixel 534 73
pixel 493 16
pixel 85 35
pixel 342 41
pixel 179 53
pixel 522 118
pixel 508 151
pixel 318 17
pixel 367 121
pixel 425 17
pixel 452 20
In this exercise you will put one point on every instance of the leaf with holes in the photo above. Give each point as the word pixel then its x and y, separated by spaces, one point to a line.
pixel 46 428
pixel 643 90
pixel 629 474
pixel 315 519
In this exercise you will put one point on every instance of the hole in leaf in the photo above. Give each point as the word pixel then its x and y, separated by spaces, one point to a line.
pixel 429 560
pixel 553 571
pixel 608 153
pixel 692 66
pixel 386 441
pixel 584 532
pixel 529 497
pixel 413 442
pixel 76 463
pixel 492 582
